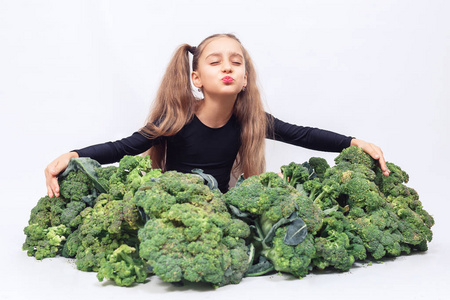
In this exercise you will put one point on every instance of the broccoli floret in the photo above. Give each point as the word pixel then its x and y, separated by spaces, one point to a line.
pixel 70 216
pixel 414 230
pixel 72 244
pixel 44 242
pixel 402 196
pixel 47 212
pixel 320 165
pixel 133 171
pixel 267 195
pixel 333 251
pixel 295 260
pixel 76 186
pixel 275 209
pixel 362 193
pixel 124 266
pixel 104 175
pixel 295 173
pixel 336 243
pixel 310 213
pixel 355 155
pixel 79 181
pixel 47 229
pixel 389 184
pixel 105 227
pixel 324 193
pixel 190 235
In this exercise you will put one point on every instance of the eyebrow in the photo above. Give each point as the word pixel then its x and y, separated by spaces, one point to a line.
pixel 220 54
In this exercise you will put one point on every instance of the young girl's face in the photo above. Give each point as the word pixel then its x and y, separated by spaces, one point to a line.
pixel 221 68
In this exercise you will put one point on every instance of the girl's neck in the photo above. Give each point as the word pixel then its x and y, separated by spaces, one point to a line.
pixel 215 113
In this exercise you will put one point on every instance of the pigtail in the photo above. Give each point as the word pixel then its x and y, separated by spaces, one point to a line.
pixel 173 106
pixel 254 122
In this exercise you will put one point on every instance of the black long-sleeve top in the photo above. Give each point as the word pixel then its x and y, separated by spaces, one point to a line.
pixel 213 150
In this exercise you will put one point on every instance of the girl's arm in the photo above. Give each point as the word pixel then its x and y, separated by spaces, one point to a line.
pixel 307 137
pixel 322 140
pixel 111 152
pixel 105 153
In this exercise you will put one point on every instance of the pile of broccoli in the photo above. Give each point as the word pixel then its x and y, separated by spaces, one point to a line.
pixel 131 221
pixel 365 215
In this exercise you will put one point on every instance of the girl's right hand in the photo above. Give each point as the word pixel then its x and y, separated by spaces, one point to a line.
pixel 52 171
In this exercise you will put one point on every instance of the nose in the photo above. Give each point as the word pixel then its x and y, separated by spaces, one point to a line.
pixel 226 67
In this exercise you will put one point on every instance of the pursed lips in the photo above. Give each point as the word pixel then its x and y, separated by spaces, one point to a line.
pixel 227 79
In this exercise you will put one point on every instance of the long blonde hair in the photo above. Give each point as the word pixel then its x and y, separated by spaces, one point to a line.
pixel 175 105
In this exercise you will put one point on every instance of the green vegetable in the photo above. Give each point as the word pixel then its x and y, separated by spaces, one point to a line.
pixel 106 226
pixel 124 266
pixel 44 242
pixel 270 206
pixel 129 221
pixel 190 235
pixel 52 220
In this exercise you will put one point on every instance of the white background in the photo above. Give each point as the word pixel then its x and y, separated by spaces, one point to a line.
pixel 75 73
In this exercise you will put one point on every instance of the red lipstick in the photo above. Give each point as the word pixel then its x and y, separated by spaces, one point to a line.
pixel 227 79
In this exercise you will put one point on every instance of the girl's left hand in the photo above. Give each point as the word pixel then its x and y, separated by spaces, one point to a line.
pixel 374 151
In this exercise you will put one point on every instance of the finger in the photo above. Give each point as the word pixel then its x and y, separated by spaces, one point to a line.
pixel 55 186
pixel 383 166
pixel 49 191
pixel 48 182
pixel 52 183
pixel 381 161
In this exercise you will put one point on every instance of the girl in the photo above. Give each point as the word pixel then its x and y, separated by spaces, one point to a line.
pixel 222 133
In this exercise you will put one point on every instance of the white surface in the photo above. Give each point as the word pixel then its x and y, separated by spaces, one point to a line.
pixel 75 73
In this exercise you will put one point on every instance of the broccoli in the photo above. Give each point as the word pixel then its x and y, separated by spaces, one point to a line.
pixel 332 251
pixel 104 176
pixel 310 213
pixel 324 193
pixel 82 182
pixel 336 244
pixel 190 235
pixel 71 245
pixel 44 242
pixel 47 212
pixel 296 174
pixel 76 186
pixel 386 216
pixel 266 195
pixel 59 216
pixel 320 165
pixel 355 156
pixel 124 266
pixel 271 206
pixel 132 172
pixel 361 192
pixel 295 259
pixel 401 196
pixel 70 215
pixel 130 221
pixel 105 227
